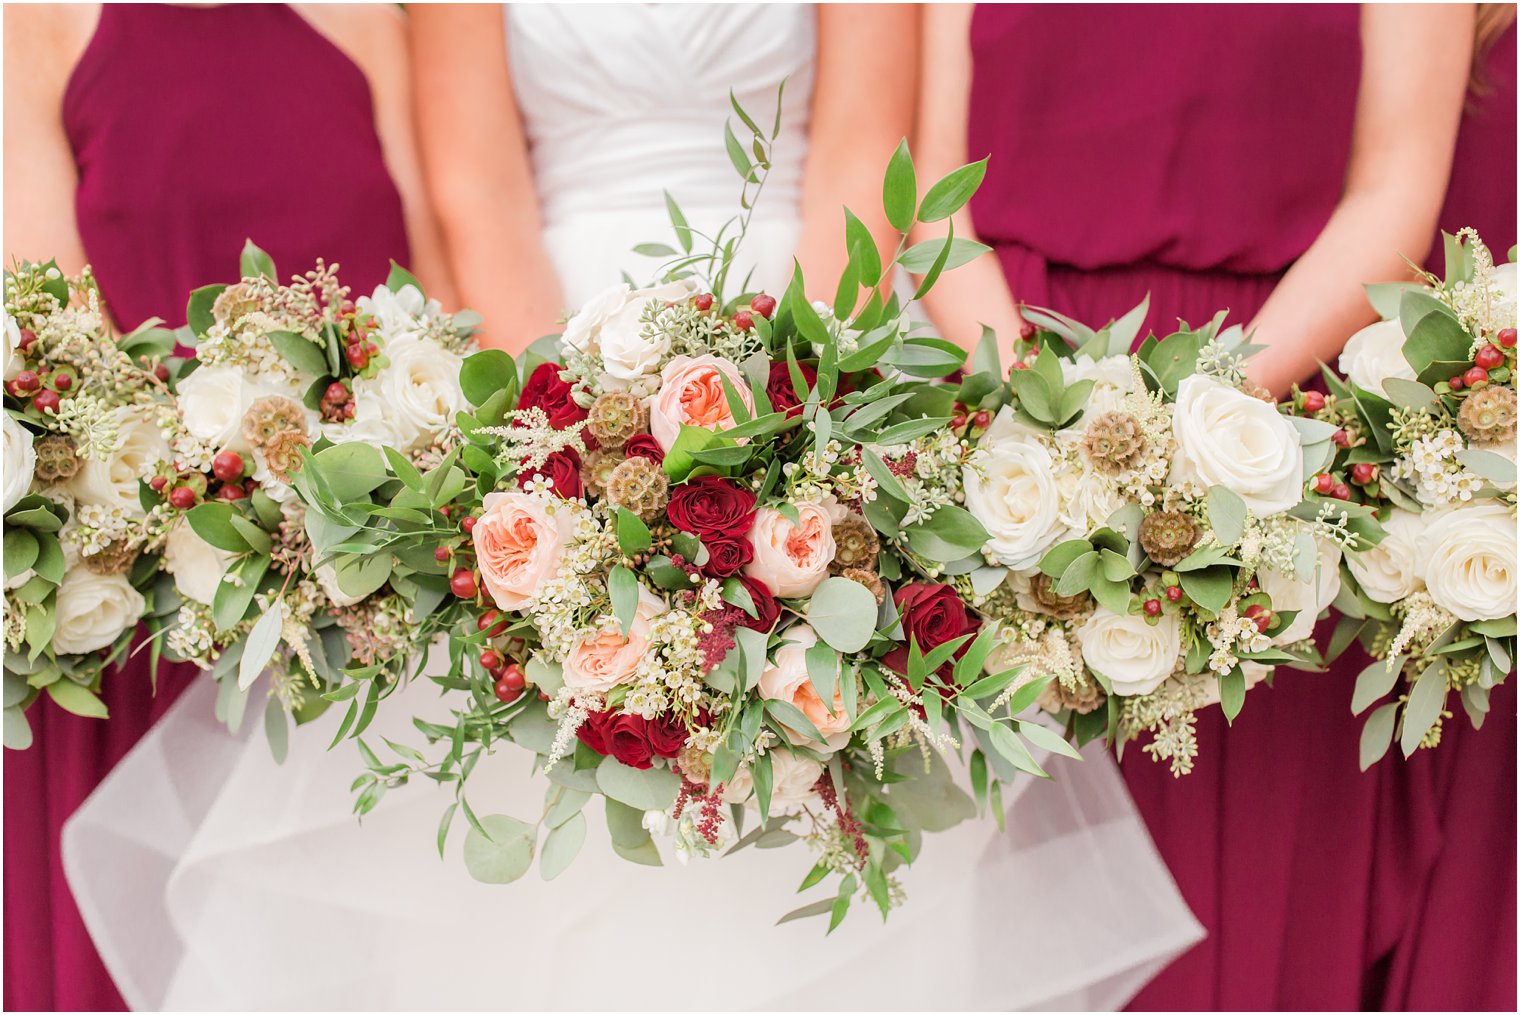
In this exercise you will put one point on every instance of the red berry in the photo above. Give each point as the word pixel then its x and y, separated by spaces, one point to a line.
pixel 1324 483
pixel 958 421
pixel 371 348
pixel 357 355
pixel 1314 401
pixel 513 677
pixel 336 392
pixel 441 554
pixel 47 401
pixel 445 511
pixel 702 301
pixel 28 336
pixel 161 372
pixel 1455 383
pixel 1027 331
pixel 1474 376
pixel 227 466
pixel 490 659
pixel 158 483
pixel 1340 438
pixel 506 693
pixel 463 583
pixel 494 621
pixel 63 381
pixel 1489 356
pixel 1506 337
pixel 27 382
pixel 1174 594
pixel 1341 492
pixel 1021 365
pixel 231 491
pixel 182 497
pixel 743 321
pixel 467 523
pixel 1363 473
pixel 763 305
pixel 1254 610
pixel 1264 620
pixel 982 420
pixel 1152 607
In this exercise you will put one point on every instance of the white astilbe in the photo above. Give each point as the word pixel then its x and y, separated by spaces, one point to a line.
pixel 1422 621
pixel 527 445
pixel 572 709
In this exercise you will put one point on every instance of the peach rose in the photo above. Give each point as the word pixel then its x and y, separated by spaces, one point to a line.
pixel 604 658
pixel 786 679
pixel 792 559
pixel 691 394
pixel 518 542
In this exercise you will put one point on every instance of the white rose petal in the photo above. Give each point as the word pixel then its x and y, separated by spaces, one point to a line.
pixel 609 326
pixel 1112 378
pixel 792 780
pixel 1374 354
pixel 14 361
pixel 327 577
pixel 1011 489
pixel 417 393
pixel 1309 594
pixel 1134 655
pixel 93 610
pixel 1230 439
pixel 20 462
pixel 113 482
pixel 1470 565
pixel 1390 571
pixel 197 566
pixel 212 403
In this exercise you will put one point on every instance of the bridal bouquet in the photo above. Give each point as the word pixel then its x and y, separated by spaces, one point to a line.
pixel 1429 393
pixel 1149 550
pixel 280 371
pixel 84 414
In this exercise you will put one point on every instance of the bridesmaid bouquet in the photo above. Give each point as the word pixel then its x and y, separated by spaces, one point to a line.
pixel 1149 549
pixel 279 371
pixel 1428 404
pixel 84 415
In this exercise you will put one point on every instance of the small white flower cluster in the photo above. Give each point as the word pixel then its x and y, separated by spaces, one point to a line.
pixel 669 675
pixel 98 526
pixel 560 607
pixel 1480 304
pixel 1431 462
pixel 193 636
pixel 1230 634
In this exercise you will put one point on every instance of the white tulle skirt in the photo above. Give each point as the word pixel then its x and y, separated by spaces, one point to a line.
pixel 212 877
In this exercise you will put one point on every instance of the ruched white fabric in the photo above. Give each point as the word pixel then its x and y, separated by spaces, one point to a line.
pixel 213 878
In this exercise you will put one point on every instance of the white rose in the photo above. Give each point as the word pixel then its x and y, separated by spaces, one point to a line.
pixel 792 780
pixel 609 326
pixel 1134 655
pixel 14 361
pixel 1112 378
pixel 403 312
pixel 419 390
pixel 113 482
pixel 1011 489
pixel 370 424
pixel 20 461
pixel 93 610
pixel 197 566
pixel 212 402
pixel 1230 439
pixel 1390 571
pixel 1374 354
pixel 1088 498
pixel 327 577
pixel 1504 280
pixel 1470 564
pixel 1309 594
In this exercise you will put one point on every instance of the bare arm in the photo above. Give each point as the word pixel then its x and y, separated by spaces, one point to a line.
pixel 42 44
pixel 1409 105
pixel 477 169
pixel 862 107
pixel 976 294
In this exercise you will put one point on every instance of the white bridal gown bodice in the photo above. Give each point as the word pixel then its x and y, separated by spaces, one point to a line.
pixel 623 102
pixel 213 878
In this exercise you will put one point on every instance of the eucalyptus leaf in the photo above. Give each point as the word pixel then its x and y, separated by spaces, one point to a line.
pixel 504 854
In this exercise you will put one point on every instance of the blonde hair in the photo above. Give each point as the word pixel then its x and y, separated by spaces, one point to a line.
pixel 1493 21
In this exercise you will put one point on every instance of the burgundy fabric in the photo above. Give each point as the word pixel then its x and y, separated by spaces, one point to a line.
pixel 193 129
pixel 1193 153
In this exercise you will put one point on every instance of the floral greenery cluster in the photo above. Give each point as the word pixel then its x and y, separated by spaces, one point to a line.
pixel 283 371
pixel 83 411
pixel 1426 410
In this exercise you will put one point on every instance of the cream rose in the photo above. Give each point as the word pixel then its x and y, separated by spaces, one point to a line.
pixel 1011 489
pixel 1134 655
pixel 1112 377
pixel 609 327
pixel 1230 439
pixel 197 566
pixel 604 658
pixel 113 482
pixel 1374 354
pixel 1504 281
pixel 14 361
pixel 792 780
pixel 1309 594
pixel 371 423
pixel 791 560
pixel 20 462
pixel 417 392
pixel 518 542
pixel 93 610
pixel 786 679
pixel 1390 571
pixel 1470 564
pixel 212 402
pixel 691 394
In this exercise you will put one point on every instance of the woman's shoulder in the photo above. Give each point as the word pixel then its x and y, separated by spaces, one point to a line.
pixel 44 42
pixel 373 36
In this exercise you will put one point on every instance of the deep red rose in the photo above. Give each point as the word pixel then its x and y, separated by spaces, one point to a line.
pixel 767 610
pixel 726 556
pixel 593 732
pixel 631 739
pixel 644 446
pixel 666 736
pixel 931 615
pixel 545 390
pixel 710 506
pixel 627 743
pixel 563 469
pixel 778 387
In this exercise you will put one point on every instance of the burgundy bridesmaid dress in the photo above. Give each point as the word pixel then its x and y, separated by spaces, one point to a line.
pixel 193 129
pixel 1193 153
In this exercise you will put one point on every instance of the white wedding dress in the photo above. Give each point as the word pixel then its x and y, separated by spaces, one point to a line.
pixel 213 878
